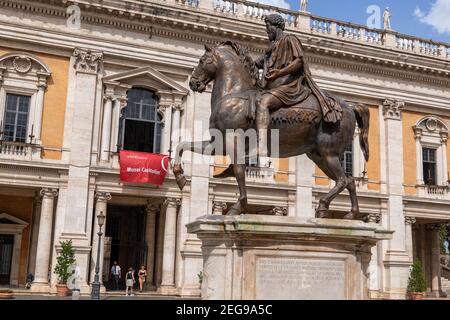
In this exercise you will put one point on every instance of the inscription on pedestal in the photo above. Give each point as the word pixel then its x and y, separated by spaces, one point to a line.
pixel 300 278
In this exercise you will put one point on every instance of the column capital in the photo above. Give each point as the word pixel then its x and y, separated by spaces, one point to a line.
pixel 172 202
pixel 103 196
pixel 150 208
pixel 178 107
pixel 410 220
pixel 219 207
pixel 87 61
pixel 392 109
pixel 37 198
pixel 279 211
pixel 49 193
pixel 375 217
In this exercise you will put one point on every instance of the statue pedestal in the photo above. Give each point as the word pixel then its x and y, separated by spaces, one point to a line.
pixel 271 257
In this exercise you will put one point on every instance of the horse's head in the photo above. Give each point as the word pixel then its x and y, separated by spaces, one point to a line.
pixel 205 72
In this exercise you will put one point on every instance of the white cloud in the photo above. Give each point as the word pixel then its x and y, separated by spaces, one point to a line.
pixel 275 3
pixel 438 17
pixel 419 13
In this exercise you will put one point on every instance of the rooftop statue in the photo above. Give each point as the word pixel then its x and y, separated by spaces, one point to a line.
pixel 309 121
pixel 387 19
pixel 303 5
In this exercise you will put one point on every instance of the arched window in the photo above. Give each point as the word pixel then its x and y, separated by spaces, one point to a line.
pixel 431 133
pixel 140 122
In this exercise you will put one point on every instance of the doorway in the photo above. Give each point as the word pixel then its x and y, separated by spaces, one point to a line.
pixel 125 231
pixel 6 253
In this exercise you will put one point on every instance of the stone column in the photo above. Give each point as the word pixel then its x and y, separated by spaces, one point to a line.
pixel 374 273
pixel 397 260
pixel 78 205
pixel 44 240
pixel 42 85
pixel 419 167
pixel 165 107
pixel 118 104
pixel 176 125
pixel 445 178
pixel 168 262
pixel 435 259
pixel 101 205
pixel 106 126
pixel 426 255
pixel 34 233
pixel 150 240
pixel 87 64
pixel 159 246
pixel 409 221
pixel 304 185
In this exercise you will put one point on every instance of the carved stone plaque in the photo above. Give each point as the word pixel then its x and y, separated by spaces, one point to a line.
pixel 300 278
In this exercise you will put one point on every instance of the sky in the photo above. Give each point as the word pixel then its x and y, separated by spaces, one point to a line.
pixel 429 19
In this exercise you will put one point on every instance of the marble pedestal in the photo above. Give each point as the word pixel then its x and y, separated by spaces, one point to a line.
pixel 271 257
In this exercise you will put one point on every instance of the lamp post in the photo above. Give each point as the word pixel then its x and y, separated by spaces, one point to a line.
pixel 95 294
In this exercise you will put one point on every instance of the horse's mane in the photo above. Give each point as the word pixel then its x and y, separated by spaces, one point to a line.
pixel 245 58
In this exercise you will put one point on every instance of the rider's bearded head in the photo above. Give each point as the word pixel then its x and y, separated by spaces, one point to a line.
pixel 275 20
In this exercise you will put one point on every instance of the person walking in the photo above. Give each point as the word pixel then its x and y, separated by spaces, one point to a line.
pixel 116 275
pixel 129 281
pixel 142 277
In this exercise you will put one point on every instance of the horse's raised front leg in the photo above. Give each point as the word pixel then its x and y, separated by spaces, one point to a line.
pixel 240 206
pixel 197 147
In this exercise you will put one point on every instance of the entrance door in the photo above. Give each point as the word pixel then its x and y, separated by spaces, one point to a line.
pixel 125 225
pixel 6 252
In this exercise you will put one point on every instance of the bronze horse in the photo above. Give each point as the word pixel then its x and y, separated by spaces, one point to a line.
pixel 301 128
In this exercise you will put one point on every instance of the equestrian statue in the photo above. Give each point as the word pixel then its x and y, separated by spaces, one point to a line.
pixel 284 98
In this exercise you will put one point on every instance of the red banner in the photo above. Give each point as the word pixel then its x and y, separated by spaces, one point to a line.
pixel 143 167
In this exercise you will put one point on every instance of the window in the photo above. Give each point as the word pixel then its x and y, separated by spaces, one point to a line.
pixel 347 161
pixel 16 118
pixel 429 166
pixel 140 125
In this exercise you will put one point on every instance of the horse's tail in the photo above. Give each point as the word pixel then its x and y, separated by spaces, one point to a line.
pixel 362 118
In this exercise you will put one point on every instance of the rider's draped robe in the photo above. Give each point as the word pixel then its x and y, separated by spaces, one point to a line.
pixel 293 89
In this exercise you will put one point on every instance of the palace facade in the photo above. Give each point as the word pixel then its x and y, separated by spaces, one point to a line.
pixel 72 96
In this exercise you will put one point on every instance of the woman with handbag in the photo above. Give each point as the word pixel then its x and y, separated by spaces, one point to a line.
pixel 142 277
pixel 129 281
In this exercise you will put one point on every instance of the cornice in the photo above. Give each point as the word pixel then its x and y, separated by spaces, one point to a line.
pixel 379 67
pixel 208 27
pixel 28 166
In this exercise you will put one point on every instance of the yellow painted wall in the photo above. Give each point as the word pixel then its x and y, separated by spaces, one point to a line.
pixel 409 119
pixel 373 165
pixel 22 208
pixel 283 166
pixel 54 102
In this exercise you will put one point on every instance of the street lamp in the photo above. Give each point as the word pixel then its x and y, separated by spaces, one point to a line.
pixel 95 294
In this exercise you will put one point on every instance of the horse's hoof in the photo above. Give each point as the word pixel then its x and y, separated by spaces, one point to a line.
pixel 177 170
pixel 349 216
pixel 364 218
pixel 323 214
pixel 181 181
pixel 235 210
